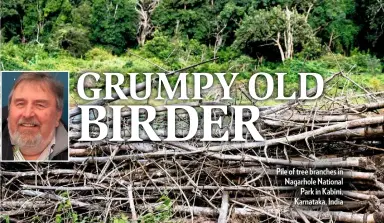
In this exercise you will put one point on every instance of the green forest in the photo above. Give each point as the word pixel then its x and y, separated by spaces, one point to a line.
pixel 162 35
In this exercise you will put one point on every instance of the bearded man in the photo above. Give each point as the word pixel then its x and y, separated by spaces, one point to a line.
pixel 33 130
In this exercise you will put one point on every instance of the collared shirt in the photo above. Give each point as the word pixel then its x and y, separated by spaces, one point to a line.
pixel 17 155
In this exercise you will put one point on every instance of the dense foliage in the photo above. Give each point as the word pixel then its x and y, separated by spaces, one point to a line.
pixel 249 26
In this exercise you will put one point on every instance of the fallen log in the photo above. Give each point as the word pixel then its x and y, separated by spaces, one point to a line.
pixel 368 132
pixel 29 205
pixel 302 136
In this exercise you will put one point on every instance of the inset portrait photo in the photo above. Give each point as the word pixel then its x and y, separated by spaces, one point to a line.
pixel 34 116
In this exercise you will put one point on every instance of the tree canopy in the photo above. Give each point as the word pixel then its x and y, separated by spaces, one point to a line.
pixel 275 30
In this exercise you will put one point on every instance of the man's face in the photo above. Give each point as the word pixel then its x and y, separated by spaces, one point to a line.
pixel 33 115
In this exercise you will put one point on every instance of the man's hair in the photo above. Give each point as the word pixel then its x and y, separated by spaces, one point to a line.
pixel 40 77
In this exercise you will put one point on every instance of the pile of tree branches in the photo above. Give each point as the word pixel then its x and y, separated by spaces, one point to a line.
pixel 223 181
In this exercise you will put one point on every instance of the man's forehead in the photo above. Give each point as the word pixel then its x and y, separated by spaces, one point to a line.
pixel 33 89
pixel 33 85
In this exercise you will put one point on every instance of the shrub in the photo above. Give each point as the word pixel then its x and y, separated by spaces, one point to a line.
pixel 162 213
pixel 98 53
pixel 72 39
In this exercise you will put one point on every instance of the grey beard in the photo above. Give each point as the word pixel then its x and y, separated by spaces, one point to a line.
pixel 25 140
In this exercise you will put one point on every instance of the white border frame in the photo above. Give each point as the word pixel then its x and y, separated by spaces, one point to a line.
pixel 1 131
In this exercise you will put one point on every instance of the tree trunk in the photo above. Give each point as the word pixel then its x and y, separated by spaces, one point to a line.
pixel 218 39
pixel 145 11
pixel 277 42
pixel 288 37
